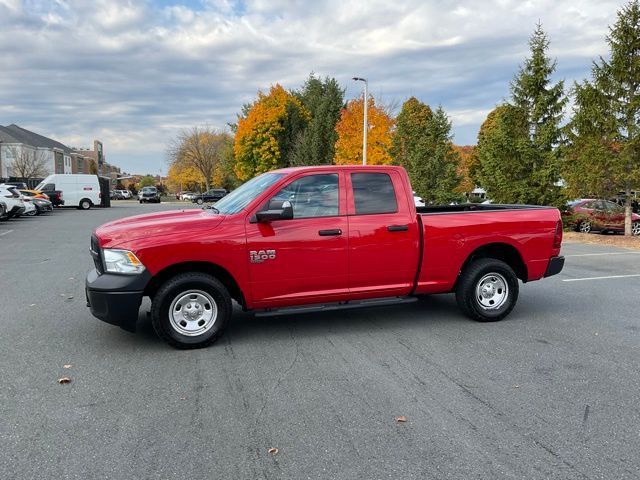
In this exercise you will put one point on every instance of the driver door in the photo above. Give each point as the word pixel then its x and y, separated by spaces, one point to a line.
pixel 302 259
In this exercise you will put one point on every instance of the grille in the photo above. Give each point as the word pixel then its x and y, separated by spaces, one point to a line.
pixel 96 254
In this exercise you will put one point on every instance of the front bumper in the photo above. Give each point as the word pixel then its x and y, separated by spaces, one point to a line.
pixel 555 266
pixel 116 299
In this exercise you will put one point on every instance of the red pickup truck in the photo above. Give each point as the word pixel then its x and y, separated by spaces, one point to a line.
pixel 315 238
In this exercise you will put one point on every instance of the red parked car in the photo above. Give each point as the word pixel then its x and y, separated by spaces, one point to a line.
pixel 601 215
pixel 315 238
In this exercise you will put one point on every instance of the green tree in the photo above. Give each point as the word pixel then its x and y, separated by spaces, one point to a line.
pixel 147 181
pixel 504 156
pixel 535 118
pixel 603 153
pixel 411 126
pixel 432 162
pixel 323 99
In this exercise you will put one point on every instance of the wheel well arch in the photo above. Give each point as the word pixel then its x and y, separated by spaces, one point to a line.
pixel 217 271
pixel 500 251
pixel 87 199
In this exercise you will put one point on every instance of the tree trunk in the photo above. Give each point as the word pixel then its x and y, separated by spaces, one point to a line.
pixel 627 212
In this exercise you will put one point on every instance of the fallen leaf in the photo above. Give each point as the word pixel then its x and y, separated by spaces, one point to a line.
pixel 32 305
pixel 64 380
pixel 596 333
pixel 68 365
pixel 516 386
pixel 401 419
pixel 70 297
pixel 273 451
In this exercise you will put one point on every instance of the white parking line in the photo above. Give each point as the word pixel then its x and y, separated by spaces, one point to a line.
pixel 4 233
pixel 599 254
pixel 599 278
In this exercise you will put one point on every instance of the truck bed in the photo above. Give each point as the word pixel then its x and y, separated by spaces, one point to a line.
pixel 450 238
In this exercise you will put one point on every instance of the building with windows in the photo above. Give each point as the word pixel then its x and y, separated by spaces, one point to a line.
pixel 19 146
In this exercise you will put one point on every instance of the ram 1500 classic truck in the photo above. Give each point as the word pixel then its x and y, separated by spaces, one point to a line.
pixel 315 238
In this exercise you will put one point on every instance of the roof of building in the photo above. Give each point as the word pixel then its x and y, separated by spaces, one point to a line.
pixel 5 136
pixel 16 134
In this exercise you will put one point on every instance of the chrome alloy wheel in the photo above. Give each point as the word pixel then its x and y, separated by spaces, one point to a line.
pixel 635 228
pixel 193 313
pixel 492 291
pixel 585 227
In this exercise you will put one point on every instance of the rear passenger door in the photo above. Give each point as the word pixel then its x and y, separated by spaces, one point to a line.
pixel 383 235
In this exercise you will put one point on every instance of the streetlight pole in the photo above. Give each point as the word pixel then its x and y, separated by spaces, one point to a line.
pixel 366 124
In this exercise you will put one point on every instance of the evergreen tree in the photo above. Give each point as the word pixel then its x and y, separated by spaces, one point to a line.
pixel 603 154
pixel 535 117
pixel 432 162
pixel 323 99
pixel 505 156
pixel 411 126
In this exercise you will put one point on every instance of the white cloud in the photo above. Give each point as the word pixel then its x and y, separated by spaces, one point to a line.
pixel 133 73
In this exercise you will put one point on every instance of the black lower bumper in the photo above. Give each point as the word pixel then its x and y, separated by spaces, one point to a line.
pixel 555 266
pixel 116 299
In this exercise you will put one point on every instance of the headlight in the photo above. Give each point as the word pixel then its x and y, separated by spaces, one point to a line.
pixel 121 261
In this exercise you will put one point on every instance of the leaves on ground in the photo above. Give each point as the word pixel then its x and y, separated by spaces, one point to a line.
pixel 64 380
pixel 401 419
pixel 67 365
pixel 273 451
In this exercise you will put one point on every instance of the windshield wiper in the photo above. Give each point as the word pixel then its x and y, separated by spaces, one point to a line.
pixel 211 207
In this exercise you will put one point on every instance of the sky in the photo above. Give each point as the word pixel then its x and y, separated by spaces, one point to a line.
pixel 135 73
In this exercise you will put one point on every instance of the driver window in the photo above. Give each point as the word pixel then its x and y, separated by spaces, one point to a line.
pixel 311 196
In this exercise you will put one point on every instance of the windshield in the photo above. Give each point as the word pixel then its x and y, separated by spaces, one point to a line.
pixel 246 193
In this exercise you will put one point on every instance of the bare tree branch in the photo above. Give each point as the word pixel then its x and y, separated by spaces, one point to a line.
pixel 28 163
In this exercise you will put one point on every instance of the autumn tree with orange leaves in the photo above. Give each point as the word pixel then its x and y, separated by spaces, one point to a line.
pixel 267 133
pixel 379 135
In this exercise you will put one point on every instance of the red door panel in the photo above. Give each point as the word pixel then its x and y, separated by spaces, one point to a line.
pixel 298 262
pixel 303 259
pixel 383 247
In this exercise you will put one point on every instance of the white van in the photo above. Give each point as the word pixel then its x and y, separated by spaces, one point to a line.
pixel 77 189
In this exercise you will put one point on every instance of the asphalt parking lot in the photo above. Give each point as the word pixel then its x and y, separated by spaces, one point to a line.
pixel 550 392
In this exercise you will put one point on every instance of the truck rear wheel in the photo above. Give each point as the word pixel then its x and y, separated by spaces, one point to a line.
pixel 191 310
pixel 85 204
pixel 487 290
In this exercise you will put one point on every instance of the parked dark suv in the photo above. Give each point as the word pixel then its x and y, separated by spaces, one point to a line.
pixel 149 194
pixel 210 196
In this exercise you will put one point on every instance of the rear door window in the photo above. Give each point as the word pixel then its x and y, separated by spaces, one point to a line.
pixel 373 193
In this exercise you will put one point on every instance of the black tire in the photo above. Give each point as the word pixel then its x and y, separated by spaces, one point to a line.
pixel 140 202
pixel 469 283
pixel 179 286
pixel 85 204
pixel 199 201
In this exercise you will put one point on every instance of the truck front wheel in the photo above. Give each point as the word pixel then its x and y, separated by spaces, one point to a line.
pixel 191 310
pixel 487 290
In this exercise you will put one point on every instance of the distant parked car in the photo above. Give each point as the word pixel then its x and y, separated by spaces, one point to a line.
pixel 600 215
pixel 34 193
pixel 418 200
pixel 209 196
pixel 188 196
pixel 13 200
pixel 42 205
pixel 149 194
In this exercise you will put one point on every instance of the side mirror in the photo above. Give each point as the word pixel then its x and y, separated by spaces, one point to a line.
pixel 277 210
